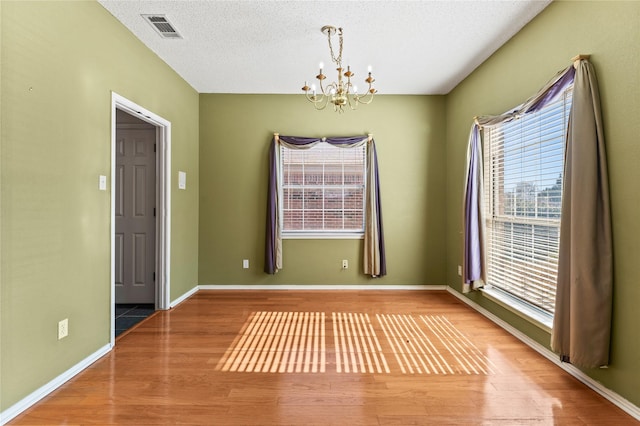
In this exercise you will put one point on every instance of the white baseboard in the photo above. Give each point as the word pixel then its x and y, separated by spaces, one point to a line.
pixel 54 384
pixel 607 393
pixel 183 297
pixel 320 287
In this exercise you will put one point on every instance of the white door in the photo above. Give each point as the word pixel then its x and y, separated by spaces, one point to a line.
pixel 135 199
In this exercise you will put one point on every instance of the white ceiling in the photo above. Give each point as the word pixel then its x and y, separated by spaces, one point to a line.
pixel 268 46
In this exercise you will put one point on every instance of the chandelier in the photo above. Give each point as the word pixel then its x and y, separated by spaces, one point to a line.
pixel 340 93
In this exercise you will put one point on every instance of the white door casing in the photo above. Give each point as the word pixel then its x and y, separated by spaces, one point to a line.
pixel 135 242
pixel 163 201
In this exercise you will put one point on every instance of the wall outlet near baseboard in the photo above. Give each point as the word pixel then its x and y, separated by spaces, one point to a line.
pixel 245 263
pixel 460 270
pixel 345 264
pixel 63 328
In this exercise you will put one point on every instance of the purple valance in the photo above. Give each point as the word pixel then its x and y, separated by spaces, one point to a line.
pixel 335 141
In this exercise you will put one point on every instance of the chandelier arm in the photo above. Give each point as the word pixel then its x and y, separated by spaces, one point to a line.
pixel 349 79
pixel 322 90
pixel 332 89
pixel 320 103
pixel 320 97
pixel 366 99
pixel 349 90
pixel 321 107
pixel 313 98
pixel 350 100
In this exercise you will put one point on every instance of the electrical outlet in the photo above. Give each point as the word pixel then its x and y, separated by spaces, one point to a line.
pixel 245 263
pixel 63 328
pixel 345 264
pixel 459 270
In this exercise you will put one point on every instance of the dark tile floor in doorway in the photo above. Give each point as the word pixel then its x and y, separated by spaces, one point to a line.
pixel 129 314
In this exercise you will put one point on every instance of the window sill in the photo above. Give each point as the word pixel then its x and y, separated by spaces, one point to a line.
pixel 323 236
pixel 536 316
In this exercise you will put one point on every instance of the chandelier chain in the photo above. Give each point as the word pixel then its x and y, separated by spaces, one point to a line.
pixel 338 61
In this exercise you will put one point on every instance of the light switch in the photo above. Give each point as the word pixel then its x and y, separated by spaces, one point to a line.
pixel 102 183
pixel 182 180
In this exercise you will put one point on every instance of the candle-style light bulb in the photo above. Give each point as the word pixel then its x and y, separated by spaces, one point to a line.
pixel 369 68
pixel 321 67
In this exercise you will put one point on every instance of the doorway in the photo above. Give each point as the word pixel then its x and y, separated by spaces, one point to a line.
pixel 135 189
pixel 135 220
pixel 140 233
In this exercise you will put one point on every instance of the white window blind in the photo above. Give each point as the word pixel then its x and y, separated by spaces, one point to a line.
pixel 523 183
pixel 323 190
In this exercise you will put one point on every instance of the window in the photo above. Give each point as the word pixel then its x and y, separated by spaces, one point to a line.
pixel 323 191
pixel 523 189
pixel 321 194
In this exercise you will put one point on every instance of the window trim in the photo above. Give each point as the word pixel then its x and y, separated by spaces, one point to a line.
pixel 517 305
pixel 305 235
pixel 520 307
pixel 321 234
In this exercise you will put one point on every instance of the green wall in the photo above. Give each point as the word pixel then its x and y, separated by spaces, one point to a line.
pixel 235 133
pixel 610 32
pixel 54 223
pixel 60 62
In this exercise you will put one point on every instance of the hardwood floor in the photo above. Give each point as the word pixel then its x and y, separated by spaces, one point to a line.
pixel 322 357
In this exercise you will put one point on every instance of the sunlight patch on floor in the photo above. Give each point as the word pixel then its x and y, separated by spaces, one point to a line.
pixel 431 345
pixel 296 342
pixel 356 341
pixel 278 342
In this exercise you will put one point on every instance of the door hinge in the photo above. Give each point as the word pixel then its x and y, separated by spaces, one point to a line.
pixel 154 147
pixel 154 277
pixel 154 212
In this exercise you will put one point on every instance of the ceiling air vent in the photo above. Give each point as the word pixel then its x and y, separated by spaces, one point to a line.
pixel 161 24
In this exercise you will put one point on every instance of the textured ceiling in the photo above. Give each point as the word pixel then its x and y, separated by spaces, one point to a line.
pixel 414 47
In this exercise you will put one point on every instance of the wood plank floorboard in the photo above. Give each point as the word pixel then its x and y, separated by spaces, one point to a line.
pixel 322 358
